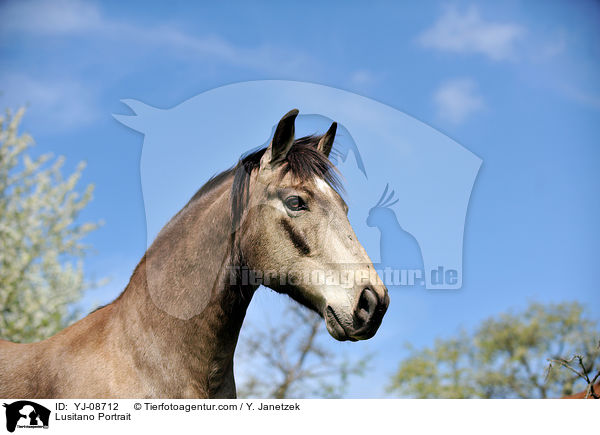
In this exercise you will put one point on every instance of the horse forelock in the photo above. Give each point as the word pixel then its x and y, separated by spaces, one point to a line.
pixel 304 162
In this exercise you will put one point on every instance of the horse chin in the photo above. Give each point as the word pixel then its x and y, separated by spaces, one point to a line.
pixel 335 327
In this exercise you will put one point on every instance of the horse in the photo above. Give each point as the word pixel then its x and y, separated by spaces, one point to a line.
pixel 591 392
pixel 274 218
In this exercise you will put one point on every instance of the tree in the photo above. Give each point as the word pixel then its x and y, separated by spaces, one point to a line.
pixel 41 252
pixel 505 357
pixel 288 361
pixel 578 366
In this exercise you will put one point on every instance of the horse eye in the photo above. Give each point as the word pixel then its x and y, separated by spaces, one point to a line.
pixel 295 203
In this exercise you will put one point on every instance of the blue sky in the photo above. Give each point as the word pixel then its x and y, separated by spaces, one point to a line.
pixel 517 83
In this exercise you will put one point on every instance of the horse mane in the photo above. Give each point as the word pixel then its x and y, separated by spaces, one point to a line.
pixel 303 161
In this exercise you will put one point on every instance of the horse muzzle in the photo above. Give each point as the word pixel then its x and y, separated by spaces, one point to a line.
pixel 364 320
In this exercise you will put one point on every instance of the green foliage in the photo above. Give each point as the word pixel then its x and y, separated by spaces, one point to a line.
pixel 40 243
pixel 289 360
pixel 505 357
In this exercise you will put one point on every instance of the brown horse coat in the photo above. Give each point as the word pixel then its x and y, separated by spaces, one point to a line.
pixel 174 329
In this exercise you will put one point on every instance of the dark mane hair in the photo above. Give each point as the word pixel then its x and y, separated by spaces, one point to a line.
pixel 303 160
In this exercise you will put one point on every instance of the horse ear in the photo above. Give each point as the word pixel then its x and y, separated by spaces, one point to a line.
pixel 326 142
pixel 282 142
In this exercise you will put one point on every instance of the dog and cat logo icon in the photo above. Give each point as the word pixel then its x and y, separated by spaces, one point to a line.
pixel 25 414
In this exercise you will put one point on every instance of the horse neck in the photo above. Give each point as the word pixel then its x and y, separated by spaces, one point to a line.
pixel 175 305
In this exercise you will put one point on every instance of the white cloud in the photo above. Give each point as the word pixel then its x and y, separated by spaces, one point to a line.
pixel 86 20
pixel 57 103
pixel 50 17
pixel 457 99
pixel 582 97
pixel 469 33
pixel 362 77
pixel 552 47
pixel 265 58
pixel 62 99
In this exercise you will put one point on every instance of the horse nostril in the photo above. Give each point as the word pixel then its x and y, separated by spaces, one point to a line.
pixel 367 304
